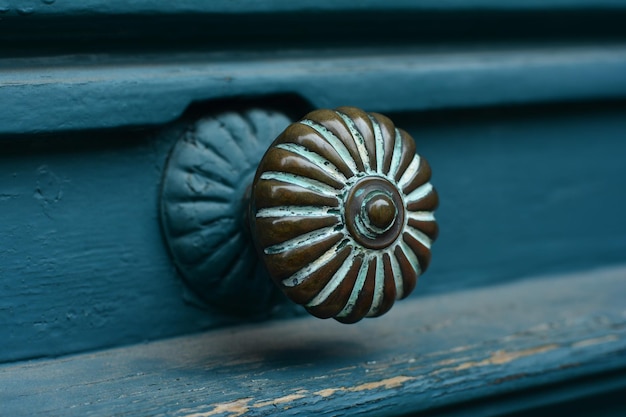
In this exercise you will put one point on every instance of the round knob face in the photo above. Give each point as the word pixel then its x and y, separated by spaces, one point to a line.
pixel 342 213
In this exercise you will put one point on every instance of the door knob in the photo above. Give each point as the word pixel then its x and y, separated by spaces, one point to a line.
pixel 340 210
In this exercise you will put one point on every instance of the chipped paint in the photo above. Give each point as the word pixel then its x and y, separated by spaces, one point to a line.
pixel 595 341
pixel 461 348
pixel 502 357
pixel 231 409
pixel 279 400
pixel 347 368
pixel 328 392
pixel 456 349
pixel 388 383
pixel 451 361
pixel 240 407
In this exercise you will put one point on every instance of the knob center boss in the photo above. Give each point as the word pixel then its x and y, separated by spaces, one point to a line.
pixel 342 213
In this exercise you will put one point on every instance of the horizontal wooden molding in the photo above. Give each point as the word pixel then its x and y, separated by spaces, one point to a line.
pixel 74 93
pixel 433 352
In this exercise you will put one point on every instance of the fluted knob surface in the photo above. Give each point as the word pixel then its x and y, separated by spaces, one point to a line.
pixel 342 213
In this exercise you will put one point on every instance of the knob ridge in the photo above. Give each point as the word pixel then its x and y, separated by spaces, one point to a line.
pixel 342 212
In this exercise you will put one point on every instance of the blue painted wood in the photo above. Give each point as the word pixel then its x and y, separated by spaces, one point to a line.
pixel 38 96
pixel 519 348
pixel 112 7
pixel 83 265
pixel 525 192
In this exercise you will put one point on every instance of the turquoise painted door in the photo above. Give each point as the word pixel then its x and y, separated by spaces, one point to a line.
pixel 518 106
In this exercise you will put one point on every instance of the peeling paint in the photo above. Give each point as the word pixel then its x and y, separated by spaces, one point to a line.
pixel 240 407
pixel 495 358
pixel 501 357
pixel 456 349
pixel 280 400
pixel 328 392
pixel 233 409
pixel 447 362
pixel 388 383
pixel 595 341
pixel 347 368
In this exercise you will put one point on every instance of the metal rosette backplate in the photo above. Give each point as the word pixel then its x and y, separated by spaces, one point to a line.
pixel 343 213
pixel 204 206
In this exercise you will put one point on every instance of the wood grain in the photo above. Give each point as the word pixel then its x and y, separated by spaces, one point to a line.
pixel 426 354
pixel 141 7
pixel 83 264
pixel 151 90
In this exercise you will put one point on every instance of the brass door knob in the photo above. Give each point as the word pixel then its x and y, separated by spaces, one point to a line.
pixel 340 210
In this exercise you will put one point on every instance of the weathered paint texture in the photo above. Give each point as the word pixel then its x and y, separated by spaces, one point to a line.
pixel 140 7
pixel 84 266
pixel 97 94
pixel 444 353
pixel 94 94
